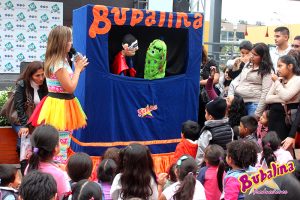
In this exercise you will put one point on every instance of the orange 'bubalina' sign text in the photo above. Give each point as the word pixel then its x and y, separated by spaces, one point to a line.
pixel 101 13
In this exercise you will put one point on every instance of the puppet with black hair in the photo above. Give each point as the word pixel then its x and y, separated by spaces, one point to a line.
pixel 123 64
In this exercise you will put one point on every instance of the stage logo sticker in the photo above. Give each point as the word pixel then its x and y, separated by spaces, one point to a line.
pixel 44 18
pixel 55 9
pixel 253 183
pixel 8 67
pixel 32 27
pixel 53 26
pixel 42 57
pixel 31 47
pixel 43 38
pixel 9 6
pixel 21 17
pixel 147 111
pixel 20 57
pixel 8 46
pixel 9 26
pixel 21 37
pixel 32 7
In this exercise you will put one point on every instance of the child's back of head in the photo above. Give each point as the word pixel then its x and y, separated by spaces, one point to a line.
pixel 136 166
pixel 85 190
pixel 241 154
pixel 38 185
pixel 112 153
pixel 106 171
pixel 190 130
pixel 79 166
pixel 248 125
pixel 45 141
pixel 214 156
pixel 270 143
pixel 216 109
pixel 8 175
pixel 186 168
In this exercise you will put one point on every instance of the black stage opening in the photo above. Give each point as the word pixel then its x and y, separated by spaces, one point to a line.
pixel 175 39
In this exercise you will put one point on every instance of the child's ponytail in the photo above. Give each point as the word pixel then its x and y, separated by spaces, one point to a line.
pixel 187 187
pixel 214 154
pixel 220 173
pixel 186 170
pixel 270 143
pixel 44 139
pixel 33 163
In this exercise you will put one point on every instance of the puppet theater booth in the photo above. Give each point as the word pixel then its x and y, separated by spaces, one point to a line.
pixel 122 110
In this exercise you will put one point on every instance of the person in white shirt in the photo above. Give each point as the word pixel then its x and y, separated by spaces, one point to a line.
pixel 136 178
pixel 187 186
pixel 281 36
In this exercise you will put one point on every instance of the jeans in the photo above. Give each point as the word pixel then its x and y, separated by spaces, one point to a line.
pixel 251 107
pixel 16 128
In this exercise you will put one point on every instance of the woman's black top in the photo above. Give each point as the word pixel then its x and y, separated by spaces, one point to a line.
pixel 21 99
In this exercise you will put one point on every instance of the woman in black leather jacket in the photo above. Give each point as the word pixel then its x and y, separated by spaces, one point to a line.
pixel 30 88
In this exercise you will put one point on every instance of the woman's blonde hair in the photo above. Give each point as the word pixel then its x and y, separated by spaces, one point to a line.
pixel 56 46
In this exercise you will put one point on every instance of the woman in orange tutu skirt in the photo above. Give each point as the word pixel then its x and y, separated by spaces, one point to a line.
pixel 61 108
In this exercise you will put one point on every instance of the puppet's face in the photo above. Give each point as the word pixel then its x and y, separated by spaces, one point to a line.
pixel 130 50
pixel 155 64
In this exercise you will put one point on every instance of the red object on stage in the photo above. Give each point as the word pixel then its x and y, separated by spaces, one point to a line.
pixel 119 65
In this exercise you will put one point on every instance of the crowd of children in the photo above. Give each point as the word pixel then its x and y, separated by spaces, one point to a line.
pixel 128 173
pixel 250 122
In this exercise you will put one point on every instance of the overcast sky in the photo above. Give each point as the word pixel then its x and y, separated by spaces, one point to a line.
pixel 270 12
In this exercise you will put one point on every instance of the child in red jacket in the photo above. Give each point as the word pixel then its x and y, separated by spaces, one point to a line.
pixel 190 133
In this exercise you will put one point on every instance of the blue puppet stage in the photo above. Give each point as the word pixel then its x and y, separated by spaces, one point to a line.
pixel 124 109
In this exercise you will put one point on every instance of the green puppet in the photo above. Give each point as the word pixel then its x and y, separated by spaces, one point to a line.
pixel 156 60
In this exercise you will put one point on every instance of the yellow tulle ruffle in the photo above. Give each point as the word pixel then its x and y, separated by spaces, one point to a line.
pixel 64 115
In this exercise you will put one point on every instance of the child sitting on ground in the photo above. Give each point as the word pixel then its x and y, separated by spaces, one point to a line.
pixel 272 151
pixel 211 176
pixel 79 167
pixel 86 190
pixel 241 155
pixel 9 182
pixel 112 153
pixel 106 173
pixel 247 129
pixel 38 185
pixel 216 128
pixel 188 145
pixel 45 141
pixel 187 186
pixel 262 128
pixel 136 177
